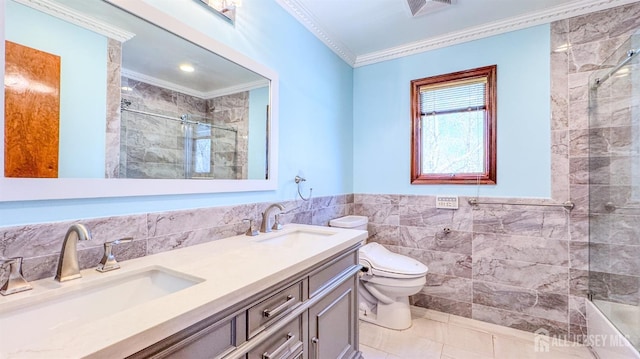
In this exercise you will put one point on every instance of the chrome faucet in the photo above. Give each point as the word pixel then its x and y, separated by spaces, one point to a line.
pixel 265 226
pixel 68 267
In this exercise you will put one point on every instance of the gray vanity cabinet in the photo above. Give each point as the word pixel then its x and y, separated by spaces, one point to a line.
pixel 208 338
pixel 311 315
pixel 333 323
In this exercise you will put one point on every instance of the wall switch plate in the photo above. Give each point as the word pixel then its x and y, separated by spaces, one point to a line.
pixel 447 202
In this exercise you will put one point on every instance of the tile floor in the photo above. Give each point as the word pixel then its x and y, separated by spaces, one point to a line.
pixel 442 336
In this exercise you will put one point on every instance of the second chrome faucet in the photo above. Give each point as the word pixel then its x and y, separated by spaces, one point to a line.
pixel 265 227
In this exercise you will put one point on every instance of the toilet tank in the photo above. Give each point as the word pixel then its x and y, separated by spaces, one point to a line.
pixel 351 222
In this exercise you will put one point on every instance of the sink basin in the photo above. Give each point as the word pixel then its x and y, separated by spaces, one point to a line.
pixel 37 317
pixel 295 237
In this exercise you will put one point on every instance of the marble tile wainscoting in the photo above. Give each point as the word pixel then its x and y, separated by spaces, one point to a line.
pixel 40 244
pixel 504 264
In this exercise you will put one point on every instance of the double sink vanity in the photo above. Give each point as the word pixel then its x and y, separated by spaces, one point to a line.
pixel 290 293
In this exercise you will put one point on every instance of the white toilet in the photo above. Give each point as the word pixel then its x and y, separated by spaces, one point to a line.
pixel 388 281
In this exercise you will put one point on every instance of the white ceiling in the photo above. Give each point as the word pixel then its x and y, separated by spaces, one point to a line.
pixel 369 31
pixel 153 55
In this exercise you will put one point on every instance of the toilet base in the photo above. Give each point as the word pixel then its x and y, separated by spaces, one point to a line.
pixel 396 316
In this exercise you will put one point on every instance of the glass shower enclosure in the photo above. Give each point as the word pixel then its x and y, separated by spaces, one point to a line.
pixel 614 189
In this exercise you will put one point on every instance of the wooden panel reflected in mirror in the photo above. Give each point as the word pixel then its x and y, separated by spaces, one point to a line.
pixel 32 112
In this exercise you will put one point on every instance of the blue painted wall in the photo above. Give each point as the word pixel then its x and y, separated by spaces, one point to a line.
pixel 316 97
pixel 83 89
pixel 382 122
pixel 258 102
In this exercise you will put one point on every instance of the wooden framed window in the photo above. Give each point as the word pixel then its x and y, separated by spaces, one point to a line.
pixel 453 137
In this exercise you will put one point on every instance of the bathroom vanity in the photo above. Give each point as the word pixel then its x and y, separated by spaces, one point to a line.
pixel 286 294
pixel 313 311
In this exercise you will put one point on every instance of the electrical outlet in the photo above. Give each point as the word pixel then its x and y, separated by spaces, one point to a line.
pixel 447 202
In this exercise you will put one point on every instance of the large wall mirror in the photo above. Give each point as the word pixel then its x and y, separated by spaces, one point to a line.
pixel 117 98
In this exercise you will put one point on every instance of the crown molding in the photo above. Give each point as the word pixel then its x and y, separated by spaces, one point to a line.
pixel 191 92
pixel 304 16
pixel 78 18
pixel 556 13
pixel 133 75
pixel 248 86
pixel 575 8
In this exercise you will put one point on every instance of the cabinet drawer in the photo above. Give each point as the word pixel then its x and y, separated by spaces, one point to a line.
pixel 284 344
pixel 275 306
pixel 202 340
pixel 324 276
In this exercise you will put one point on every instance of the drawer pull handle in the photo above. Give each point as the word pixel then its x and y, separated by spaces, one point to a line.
pixel 267 313
pixel 316 347
pixel 290 339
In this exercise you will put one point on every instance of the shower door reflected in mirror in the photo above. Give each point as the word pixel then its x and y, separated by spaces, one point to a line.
pixel 171 109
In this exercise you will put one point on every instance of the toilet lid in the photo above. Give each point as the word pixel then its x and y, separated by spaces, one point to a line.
pixel 382 262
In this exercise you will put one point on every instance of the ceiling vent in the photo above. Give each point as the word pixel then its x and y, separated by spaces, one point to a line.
pixel 421 7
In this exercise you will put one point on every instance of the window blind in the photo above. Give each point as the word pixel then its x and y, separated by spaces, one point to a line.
pixel 462 96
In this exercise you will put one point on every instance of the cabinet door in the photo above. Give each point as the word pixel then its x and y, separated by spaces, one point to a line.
pixel 333 323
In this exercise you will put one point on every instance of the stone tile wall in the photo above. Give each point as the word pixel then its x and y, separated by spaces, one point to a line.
pixel 40 244
pixel 505 264
pixel 230 149
pixel 112 151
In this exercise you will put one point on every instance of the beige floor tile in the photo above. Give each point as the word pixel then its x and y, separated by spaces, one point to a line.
pixel 508 347
pixel 429 329
pixel 402 344
pixel 372 353
pixel 470 340
pixel 490 327
pixel 409 346
pixel 372 335
pixel 568 350
pixel 581 353
pixel 451 352
pixel 452 337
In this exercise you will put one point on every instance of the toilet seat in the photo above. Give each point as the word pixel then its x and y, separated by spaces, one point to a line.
pixel 395 282
pixel 384 263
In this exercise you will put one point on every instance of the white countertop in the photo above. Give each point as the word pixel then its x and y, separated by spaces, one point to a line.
pixel 232 269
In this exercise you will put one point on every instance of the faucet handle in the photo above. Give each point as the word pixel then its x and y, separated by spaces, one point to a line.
pixel 276 223
pixel 15 280
pixel 250 232
pixel 108 261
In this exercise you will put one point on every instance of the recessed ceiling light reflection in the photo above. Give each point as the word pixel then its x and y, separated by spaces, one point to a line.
pixel 187 68
pixel 562 48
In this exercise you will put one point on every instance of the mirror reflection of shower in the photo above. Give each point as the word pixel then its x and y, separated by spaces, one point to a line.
pixel 162 144
pixel 200 142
